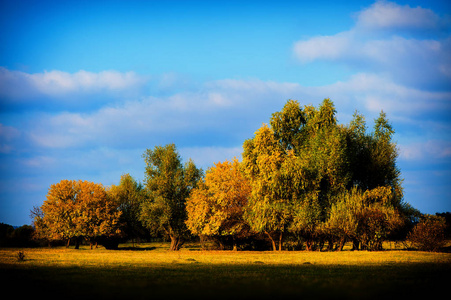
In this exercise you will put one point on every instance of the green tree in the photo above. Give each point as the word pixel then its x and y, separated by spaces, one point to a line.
pixel 342 223
pixel 366 218
pixel 76 210
pixel 288 125
pixel 359 152
pixel 384 152
pixel 373 156
pixel 299 166
pixel 169 184
pixel 128 196
pixel 318 168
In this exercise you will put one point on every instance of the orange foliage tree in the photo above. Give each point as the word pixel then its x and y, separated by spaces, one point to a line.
pixel 215 207
pixel 76 210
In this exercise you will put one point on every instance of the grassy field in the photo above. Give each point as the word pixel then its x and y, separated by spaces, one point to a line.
pixel 150 271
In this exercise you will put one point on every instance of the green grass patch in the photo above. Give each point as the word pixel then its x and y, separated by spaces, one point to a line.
pixel 150 271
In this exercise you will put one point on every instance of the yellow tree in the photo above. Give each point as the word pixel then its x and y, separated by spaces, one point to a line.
pixel 215 207
pixel 269 207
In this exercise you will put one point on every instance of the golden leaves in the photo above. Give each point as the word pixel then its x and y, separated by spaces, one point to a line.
pixel 216 206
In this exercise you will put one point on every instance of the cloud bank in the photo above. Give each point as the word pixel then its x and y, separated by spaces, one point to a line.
pixel 389 38
pixel 389 15
pixel 62 89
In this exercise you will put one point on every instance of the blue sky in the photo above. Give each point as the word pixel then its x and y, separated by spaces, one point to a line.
pixel 87 86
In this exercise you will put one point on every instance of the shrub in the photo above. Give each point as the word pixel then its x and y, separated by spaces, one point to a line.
pixel 20 256
pixel 429 233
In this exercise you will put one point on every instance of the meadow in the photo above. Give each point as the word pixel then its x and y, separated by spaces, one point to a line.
pixel 150 271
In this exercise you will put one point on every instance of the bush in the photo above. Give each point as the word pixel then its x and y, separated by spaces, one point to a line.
pixel 20 256
pixel 429 233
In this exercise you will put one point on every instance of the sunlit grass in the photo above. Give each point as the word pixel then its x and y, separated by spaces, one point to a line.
pixel 150 269
pixel 157 254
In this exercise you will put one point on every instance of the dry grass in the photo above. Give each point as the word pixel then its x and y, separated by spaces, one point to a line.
pixel 150 271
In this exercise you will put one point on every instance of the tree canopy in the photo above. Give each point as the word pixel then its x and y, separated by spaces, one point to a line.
pixel 128 196
pixel 303 179
pixel 169 184
pixel 304 165
pixel 215 208
pixel 76 210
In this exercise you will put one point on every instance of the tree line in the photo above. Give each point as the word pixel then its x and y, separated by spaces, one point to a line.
pixel 304 181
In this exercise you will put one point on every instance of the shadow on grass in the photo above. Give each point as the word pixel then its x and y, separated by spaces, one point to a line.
pixel 408 281
pixel 131 248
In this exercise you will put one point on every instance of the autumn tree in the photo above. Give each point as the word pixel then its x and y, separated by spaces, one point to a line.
pixel 429 233
pixel 76 210
pixel 215 208
pixel 168 184
pixel 269 206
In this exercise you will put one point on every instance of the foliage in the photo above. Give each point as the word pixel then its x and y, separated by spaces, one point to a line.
pixel 269 205
pixel 75 210
pixel 304 178
pixel 447 216
pixel 429 233
pixel 215 207
pixel 169 184
pixel 373 157
pixel 16 237
pixel 366 218
pixel 303 170
pixel 128 196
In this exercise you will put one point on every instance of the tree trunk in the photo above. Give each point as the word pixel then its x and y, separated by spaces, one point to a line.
pixel 308 244
pixel 77 243
pixel 330 245
pixel 202 242
pixel 280 242
pixel 68 243
pixel 355 244
pixel 176 243
pixel 321 244
pixel 342 244
pixel 274 248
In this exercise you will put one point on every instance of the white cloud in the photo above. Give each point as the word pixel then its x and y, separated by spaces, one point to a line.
pixel 219 110
pixel 17 85
pixel 58 82
pixel 225 112
pixel 430 150
pixel 377 92
pixel 389 15
pixel 324 47
pixel 408 59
